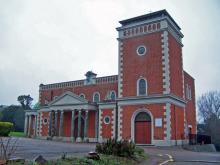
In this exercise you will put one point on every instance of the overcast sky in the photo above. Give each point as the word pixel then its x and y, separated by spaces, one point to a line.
pixel 48 41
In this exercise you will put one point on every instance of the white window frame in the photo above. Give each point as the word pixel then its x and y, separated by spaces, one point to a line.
pixel 144 48
pixel 109 119
pixel 94 96
pixel 111 95
pixel 138 86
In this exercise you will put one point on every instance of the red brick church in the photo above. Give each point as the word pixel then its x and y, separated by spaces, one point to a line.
pixel 150 101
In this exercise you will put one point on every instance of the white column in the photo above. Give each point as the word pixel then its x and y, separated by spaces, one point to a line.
pixel 86 126
pixel 72 125
pixel 96 124
pixel 55 124
pixel 29 125
pixel 25 124
pixel 79 139
pixel 61 124
pixel 35 128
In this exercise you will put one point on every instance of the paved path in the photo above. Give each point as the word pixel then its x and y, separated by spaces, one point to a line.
pixel 30 148
pixel 181 156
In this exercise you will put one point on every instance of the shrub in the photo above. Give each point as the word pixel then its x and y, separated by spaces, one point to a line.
pixel 5 128
pixel 122 148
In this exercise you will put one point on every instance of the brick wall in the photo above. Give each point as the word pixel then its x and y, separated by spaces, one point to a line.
pixel 88 90
pixel 148 66
pixel 191 104
pixel 106 128
pixel 156 110
pixel 176 69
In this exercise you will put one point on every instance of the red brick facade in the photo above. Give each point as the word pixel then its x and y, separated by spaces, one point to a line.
pixel 152 97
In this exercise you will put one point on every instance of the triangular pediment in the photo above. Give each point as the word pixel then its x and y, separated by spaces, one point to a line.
pixel 68 98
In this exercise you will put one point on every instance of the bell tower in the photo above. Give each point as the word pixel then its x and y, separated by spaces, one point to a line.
pixel 150 56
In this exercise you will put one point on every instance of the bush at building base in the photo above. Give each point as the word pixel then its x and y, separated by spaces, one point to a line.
pixel 122 148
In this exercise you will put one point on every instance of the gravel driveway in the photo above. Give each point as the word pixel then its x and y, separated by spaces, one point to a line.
pixel 30 148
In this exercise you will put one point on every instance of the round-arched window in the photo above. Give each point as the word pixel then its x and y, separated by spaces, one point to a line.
pixel 96 97
pixel 107 120
pixel 142 87
pixel 112 96
pixel 82 96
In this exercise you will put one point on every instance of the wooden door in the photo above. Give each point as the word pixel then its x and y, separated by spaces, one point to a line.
pixel 143 132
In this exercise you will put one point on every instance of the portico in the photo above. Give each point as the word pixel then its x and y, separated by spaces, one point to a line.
pixel 67 119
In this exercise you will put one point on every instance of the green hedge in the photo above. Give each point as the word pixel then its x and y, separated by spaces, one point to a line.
pixel 5 128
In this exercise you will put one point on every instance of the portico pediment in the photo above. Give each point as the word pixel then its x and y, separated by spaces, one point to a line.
pixel 68 98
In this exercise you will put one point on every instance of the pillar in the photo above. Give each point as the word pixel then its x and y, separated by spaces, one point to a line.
pixel 50 124
pixel 56 124
pixel 35 128
pixel 61 124
pixel 79 139
pixel 96 124
pixel 72 125
pixel 25 124
pixel 29 125
pixel 86 126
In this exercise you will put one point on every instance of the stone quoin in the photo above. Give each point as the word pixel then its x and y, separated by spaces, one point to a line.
pixel 150 101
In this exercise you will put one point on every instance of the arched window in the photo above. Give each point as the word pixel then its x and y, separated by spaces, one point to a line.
pixel 141 87
pixel 143 116
pixel 112 95
pixel 82 96
pixel 96 97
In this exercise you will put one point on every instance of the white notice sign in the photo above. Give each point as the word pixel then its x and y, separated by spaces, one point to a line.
pixel 158 122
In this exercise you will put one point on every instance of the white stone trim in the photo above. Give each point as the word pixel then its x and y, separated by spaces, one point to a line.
pixel 120 115
pixel 145 51
pixel 168 122
pixel 113 123
pixel 100 124
pixel 165 63
pixel 133 123
pixel 120 68
pixel 107 105
pixel 137 87
pixel 41 122
pixel 152 99
pixel 107 116
pixel 165 24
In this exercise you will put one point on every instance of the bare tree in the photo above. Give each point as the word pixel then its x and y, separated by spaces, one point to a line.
pixel 8 147
pixel 209 112
pixel 209 105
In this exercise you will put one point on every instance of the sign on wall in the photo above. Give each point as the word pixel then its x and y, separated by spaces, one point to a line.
pixel 158 122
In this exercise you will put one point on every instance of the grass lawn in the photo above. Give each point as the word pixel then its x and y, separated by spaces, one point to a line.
pixel 17 134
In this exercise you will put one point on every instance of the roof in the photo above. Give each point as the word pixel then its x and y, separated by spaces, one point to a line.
pixel 152 15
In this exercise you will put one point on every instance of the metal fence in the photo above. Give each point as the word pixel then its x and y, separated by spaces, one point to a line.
pixel 199 139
